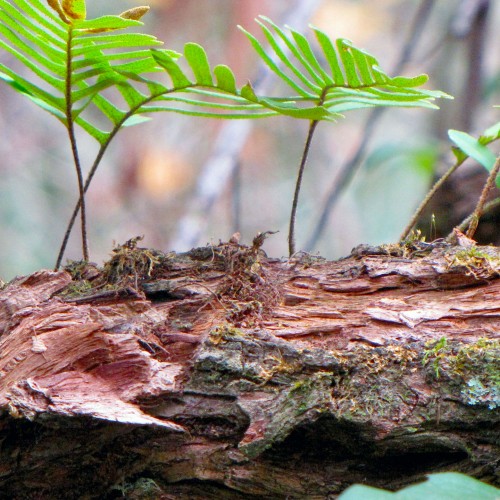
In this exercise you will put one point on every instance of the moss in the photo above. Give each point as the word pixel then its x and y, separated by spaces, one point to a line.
pixel 472 370
pixel 128 267
pixel 437 350
pixel 77 289
pixel 129 264
pixel 369 387
pixel 247 291
pixel 477 262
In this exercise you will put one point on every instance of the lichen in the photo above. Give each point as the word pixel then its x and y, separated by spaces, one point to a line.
pixel 144 488
pixel 224 333
pixel 476 393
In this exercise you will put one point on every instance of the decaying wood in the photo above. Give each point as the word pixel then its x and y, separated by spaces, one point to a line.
pixel 221 373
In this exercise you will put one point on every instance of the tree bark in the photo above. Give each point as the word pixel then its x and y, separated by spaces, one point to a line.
pixel 221 373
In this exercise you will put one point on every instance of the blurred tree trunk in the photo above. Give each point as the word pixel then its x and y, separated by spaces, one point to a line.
pixel 221 373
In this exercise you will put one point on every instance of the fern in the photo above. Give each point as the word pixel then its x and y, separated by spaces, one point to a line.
pixel 69 60
pixel 74 62
pixel 353 80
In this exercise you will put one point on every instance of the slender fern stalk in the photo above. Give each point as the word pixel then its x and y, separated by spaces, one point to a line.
pixel 488 207
pixel 428 197
pixel 298 184
pixel 478 212
pixel 74 146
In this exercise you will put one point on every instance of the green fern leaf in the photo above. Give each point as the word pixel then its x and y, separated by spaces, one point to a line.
pixel 218 99
pixel 69 61
pixel 198 60
pixel 353 80
pixel 167 60
pixel 225 79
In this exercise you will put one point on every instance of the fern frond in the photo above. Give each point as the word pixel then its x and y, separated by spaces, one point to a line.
pixel 64 51
pixel 220 96
pixel 353 80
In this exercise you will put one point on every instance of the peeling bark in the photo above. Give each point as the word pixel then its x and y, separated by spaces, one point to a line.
pixel 221 373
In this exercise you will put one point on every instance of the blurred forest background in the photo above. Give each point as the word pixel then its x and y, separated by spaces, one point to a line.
pixel 183 182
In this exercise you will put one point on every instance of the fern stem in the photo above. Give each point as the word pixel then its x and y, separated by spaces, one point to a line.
pixel 298 183
pixel 312 128
pixel 74 147
pixel 463 225
pixel 428 198
pixel 478 211
pixel 96 164
pixel 78 205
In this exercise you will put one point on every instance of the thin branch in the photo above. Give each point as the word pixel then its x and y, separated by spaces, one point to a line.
pixel 351 166
pixel 478 211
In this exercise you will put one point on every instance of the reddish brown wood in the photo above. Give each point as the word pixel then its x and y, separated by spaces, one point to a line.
pixel 223 374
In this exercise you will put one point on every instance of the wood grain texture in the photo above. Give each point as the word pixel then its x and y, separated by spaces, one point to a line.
pixel 221 373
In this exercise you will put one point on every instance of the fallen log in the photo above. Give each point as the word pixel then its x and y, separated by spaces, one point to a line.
pixel 222 373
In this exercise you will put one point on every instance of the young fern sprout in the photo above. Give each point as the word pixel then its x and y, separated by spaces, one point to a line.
pixel 73 60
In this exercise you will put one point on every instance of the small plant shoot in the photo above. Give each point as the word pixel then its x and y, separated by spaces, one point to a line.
pixel 74 63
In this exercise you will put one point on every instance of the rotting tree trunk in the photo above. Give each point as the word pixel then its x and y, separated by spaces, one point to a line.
pixel 221 373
